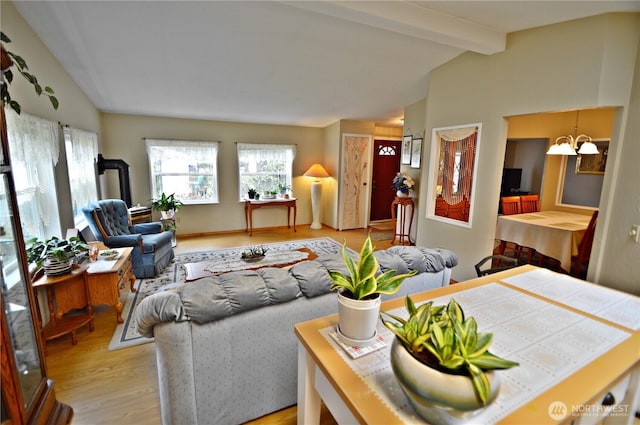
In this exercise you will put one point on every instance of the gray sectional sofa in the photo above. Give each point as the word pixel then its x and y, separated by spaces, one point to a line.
pixel 225 347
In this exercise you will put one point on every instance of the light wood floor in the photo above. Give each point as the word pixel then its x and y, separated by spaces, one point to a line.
pixel 117 387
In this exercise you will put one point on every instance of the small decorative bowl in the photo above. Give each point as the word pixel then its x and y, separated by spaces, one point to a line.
pixel 108 255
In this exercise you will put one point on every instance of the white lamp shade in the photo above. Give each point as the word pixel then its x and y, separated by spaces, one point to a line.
pixel 588 148
pixel 316 171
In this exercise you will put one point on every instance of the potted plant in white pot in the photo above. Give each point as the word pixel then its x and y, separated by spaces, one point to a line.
pixel 359 294
pixel 168 205
pixel 55 255
pixel 442 362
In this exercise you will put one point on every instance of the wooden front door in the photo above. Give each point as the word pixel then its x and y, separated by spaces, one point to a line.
pixel 354 178
pixel 386 163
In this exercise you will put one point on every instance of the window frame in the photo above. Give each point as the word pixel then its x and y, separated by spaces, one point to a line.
pixel 272 178
pixel 179 147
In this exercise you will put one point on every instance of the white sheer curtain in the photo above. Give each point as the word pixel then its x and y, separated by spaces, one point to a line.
pixel 82 153
pixel 34 147
pixel 189 169
pixel 264 167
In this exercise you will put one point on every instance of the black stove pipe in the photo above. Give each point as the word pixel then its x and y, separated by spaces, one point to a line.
pixel 123 175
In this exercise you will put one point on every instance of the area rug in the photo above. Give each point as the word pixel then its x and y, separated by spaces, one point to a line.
pixel 126 334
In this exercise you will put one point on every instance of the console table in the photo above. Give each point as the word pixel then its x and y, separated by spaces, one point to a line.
pixel 69 292
pixel 251 204
pixel 105 278
pixel 404 232
pixel 576 342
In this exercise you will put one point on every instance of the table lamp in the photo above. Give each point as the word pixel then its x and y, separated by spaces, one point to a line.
pixel 316 171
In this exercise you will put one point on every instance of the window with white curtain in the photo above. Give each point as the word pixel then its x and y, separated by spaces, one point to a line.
pixel 34 147
pixel 188 169
pixel 82 152
pixel 264 167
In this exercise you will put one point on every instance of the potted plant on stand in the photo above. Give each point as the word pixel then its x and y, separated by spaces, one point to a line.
pixel 359 294
pixel 442 362
pixel 55 255
pixel 168 205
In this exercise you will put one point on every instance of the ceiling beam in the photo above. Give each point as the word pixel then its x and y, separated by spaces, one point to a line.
pixel 412 19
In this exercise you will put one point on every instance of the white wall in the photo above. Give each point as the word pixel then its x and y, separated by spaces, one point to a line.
pixel 531 76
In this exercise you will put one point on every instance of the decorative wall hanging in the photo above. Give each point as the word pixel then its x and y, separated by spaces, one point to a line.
pixel 406 149
pixel 416 152
pixel 454 161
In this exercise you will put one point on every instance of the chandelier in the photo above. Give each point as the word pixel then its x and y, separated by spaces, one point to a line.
pixel 567 145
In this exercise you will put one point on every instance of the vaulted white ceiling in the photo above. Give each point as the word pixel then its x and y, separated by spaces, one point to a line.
pixel 279 62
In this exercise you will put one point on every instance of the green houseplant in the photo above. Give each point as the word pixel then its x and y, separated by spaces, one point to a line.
pixel 359 294
pixel 55 255
pixel 167 205
pixel 444 344
pixel 8 59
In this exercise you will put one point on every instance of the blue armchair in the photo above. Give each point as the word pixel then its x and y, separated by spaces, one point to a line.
pixel 152 249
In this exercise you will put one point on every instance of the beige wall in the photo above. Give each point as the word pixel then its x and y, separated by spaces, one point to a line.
pixel 537 74
pixel 123 139
pixel 597 123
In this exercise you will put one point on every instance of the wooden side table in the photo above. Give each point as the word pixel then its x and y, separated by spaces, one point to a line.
pixel 105 278
pixel 404 231
pixel 69 292
pixel 250 205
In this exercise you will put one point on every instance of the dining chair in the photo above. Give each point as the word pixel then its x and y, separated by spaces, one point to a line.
pixel 510 205
pixel 580 262
pixel 495 264
pixel 529 203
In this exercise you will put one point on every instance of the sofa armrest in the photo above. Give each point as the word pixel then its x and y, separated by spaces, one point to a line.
pixel 161 307
pixel 146 228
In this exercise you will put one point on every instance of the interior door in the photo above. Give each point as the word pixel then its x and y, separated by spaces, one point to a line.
pixel 354 179
pixel 386 163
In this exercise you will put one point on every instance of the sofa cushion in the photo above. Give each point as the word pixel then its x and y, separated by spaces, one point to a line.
pixel 213 298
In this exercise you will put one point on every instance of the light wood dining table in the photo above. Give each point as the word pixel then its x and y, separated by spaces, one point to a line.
pixel 556 234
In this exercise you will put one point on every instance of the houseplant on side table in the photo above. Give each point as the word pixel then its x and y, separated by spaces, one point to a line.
pixel 359 294
pixel 442 362
pixel 55 255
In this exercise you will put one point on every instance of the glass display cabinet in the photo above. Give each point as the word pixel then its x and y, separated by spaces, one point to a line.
pixel 27 394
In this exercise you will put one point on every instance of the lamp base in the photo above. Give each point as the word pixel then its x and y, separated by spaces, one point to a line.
pixel 316 195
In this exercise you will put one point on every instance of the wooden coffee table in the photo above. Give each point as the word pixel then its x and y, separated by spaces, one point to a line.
pixel 105 278
pixel 197 270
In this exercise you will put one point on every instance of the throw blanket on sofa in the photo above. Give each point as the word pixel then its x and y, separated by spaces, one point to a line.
pixel 216 297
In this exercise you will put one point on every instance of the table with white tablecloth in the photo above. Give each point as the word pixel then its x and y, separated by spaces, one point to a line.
pixel 556 234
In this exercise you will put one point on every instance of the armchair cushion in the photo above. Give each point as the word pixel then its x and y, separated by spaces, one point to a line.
pixel 152 249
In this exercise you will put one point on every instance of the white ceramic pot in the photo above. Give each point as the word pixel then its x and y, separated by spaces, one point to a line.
pixel 436 396
pixel 401 194
pixel 358 320
pixel 168 214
